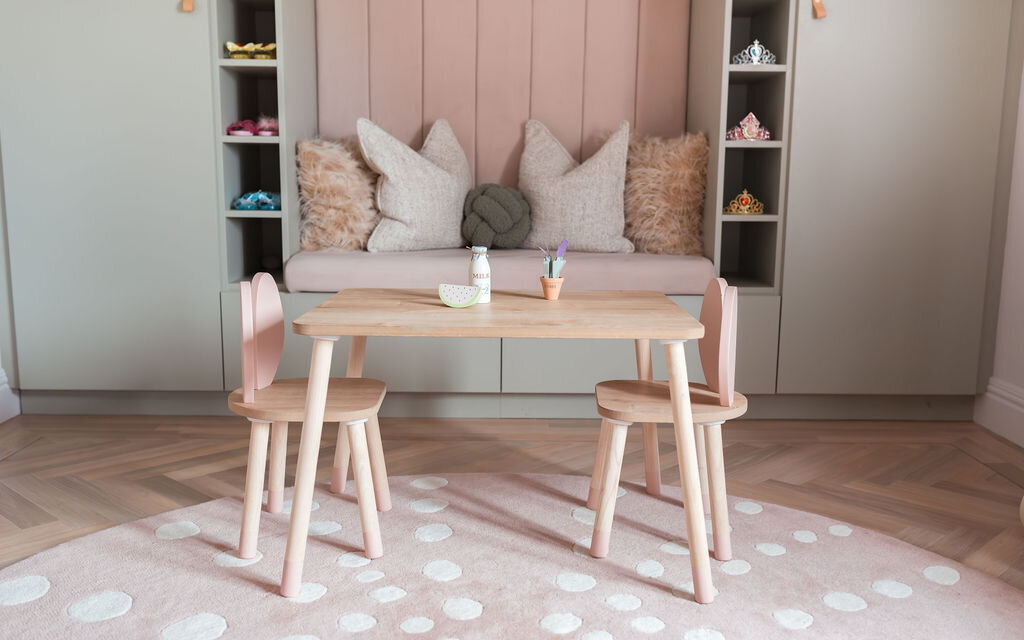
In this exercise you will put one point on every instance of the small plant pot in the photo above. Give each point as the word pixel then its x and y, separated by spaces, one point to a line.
pixel 552 287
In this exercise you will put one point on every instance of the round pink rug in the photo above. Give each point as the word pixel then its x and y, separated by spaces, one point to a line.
pixel 499 556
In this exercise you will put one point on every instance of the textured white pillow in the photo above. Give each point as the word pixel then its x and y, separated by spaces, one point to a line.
pixel 581 203
pixel 420 195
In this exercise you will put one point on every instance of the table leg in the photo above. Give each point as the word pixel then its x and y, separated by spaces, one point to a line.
pixel 700 561
pixel 652 459
pixel 339 472
pixel 305 469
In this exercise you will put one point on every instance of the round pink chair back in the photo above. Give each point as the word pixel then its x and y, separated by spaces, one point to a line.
pixel 718 346
pixel 262 333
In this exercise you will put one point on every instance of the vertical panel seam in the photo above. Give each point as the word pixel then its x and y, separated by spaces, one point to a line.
pixel 423 69
pixel 476 95
pixel 636 65
pixel 369 65
pixel 583 84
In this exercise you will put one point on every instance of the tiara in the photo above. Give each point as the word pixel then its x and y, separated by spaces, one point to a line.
pixel 756 53
pixel 749 128
pixel 744 205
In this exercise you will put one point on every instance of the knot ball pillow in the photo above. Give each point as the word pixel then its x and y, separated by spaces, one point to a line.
pixel 581 203
pixel 420 195
pixel 665 180
pixel 495 216
pixel 336 195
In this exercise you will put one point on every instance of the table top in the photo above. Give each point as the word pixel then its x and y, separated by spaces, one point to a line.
pixel 510 314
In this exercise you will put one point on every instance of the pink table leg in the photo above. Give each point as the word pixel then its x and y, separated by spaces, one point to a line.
pixel 686 449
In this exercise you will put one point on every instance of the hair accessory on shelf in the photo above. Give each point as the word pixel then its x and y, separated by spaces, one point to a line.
pixel 257 50
pixel 756 53
pixel 242 128
pixel 267 126
pixel 744 205
pixel 263 200
pixel 749 128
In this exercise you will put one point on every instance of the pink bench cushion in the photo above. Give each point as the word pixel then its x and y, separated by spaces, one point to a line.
pixel 332 270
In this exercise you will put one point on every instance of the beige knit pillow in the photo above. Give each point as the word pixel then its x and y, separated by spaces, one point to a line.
pixel 665 180
pixel 581 203
pixel 420 195
pixel 336 195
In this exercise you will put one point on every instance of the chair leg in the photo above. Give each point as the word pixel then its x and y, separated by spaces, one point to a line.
pixel 377 465
pixel 597 476
pixel 253 500
pixel 702 466
pixel 372 545
pixel 719 502
pixel 609 487
pixel 339 473
pixel 652 457
pixel 278 460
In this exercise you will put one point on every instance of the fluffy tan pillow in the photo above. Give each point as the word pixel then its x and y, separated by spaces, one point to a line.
pixel 336 193
pixel 665 180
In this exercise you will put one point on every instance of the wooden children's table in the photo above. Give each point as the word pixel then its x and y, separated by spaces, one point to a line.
pixel 615 315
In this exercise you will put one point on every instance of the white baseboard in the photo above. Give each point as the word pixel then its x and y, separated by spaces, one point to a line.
pixel 10 402
pixel 1001 409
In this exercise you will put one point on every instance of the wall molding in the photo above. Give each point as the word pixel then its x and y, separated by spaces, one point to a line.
pixel 1001 410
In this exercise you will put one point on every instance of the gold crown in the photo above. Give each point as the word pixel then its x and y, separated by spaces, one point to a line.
pixel 744 205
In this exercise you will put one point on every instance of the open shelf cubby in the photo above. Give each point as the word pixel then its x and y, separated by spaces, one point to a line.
pixel 250 167
pixel 246 96
pixel 756 170
pixel 253 245
pixel 761 94
pixel 765 20
pixel 748 253
pixel 246 21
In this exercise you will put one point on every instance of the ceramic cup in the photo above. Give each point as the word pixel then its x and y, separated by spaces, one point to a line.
pixel 552 287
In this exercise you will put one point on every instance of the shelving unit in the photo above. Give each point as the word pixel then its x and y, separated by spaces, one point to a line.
pixel 746 250
pixel 284 88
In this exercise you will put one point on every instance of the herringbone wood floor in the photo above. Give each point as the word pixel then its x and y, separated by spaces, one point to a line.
pixel 953 488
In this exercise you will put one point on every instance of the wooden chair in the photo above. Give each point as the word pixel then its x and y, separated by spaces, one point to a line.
pixel 624 402
pixel 270 405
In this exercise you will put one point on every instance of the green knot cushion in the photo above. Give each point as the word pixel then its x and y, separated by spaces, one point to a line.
pixel 495 216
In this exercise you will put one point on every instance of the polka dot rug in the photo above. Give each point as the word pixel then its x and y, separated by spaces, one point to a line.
pixel 499 556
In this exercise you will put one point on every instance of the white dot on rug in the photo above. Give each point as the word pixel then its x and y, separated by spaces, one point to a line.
pixel 309 592
pixel 429 484
pixel 623 602
pixel 582 547
pixel 805 536
pixel 323 527
pixel 231 559
pixel 560 623
pixel 428 505
pixel 621 492
pixel 793 619
pixel 770 548
pixel 675 549
pixel 842 601
pixel 597 635
pixel 433 532
pixel 177 530
pixel 101 606
pixel 840 530
pixel 685 590
pixel 351 560
pixel 891 588
pixel 370 576
pixel 356 622
pixel 442 570
pixel 749 508
pixel 389 593
pixel 703 634
pixel 647 624
pixel 286 506
pixel 22 590
pixel 584 515
pixel 202 626
pixel 945 576
pixel 416 625
pixel 735 567
pixel 462 608
pixel 575 582
pixel 650 568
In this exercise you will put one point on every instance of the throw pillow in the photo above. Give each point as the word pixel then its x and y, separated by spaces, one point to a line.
pixel 665 180
pixel 495 216
pixel 336 195
pixel 581 203
pixel 420 195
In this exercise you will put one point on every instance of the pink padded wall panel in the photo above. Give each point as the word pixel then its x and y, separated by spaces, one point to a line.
pixel 396 68
pixel 343 65
pixel 556 93
pixel 661 67
pixel 609 81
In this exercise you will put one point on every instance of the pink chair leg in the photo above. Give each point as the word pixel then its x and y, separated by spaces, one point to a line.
pixel 599 540
pixel 251 504
pixel 652 457
pixel 372 545
pixel 719 501
pixel 702 466
pixel 597 476
pixel 339 473
pixel 278 460
pixel 377 465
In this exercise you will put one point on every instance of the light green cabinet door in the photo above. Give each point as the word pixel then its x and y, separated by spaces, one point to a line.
pixel 106 131
pixel 896 118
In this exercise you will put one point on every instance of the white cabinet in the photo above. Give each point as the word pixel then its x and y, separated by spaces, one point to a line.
pixel 109 176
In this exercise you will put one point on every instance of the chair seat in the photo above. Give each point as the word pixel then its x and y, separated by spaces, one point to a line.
pixel 348 400
pixel 648 401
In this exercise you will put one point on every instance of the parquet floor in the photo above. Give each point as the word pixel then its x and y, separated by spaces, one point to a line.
pixel 953 488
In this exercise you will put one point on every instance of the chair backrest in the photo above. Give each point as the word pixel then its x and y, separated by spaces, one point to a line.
pixel 262 333
pixel 718 346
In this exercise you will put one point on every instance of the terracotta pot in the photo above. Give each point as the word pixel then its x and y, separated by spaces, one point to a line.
pixel 551 286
